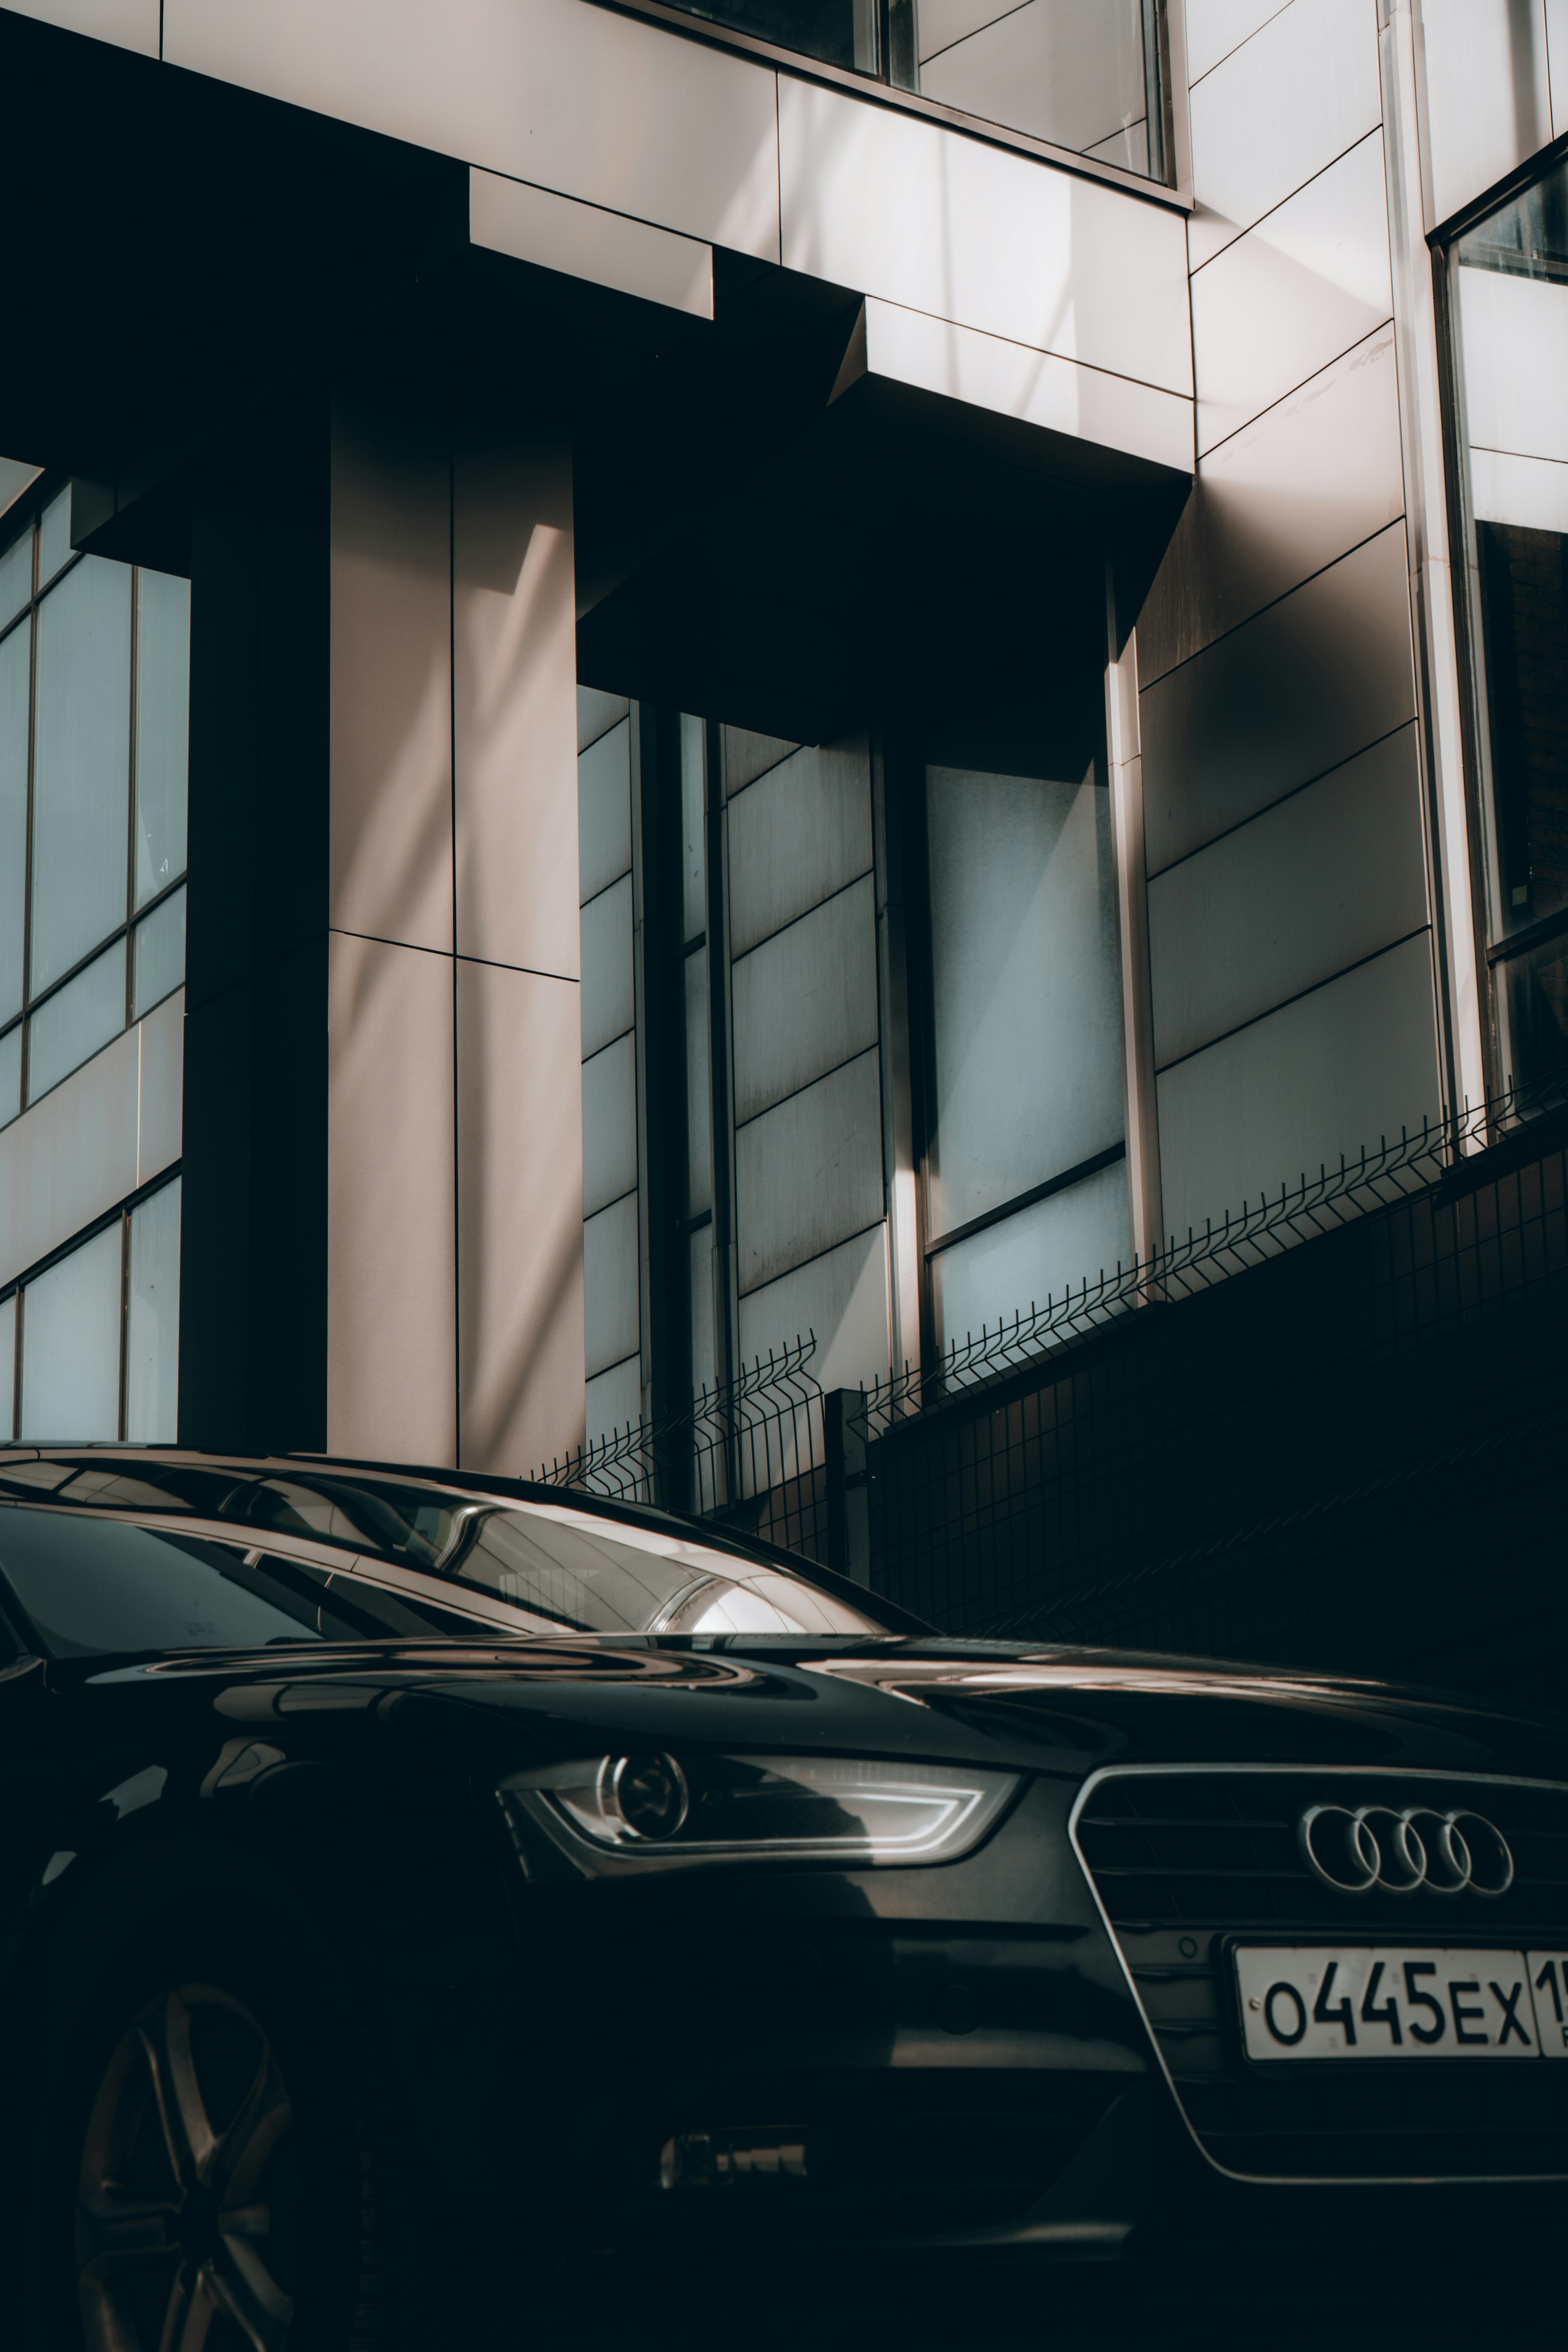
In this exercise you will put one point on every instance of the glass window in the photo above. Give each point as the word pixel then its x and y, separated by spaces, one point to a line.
pixel 70 1345
pixel 10 1075
pixel 162 728
pixel 82 766
pixel 98 1588
pixel 160 953
pixel 153 1320
pixel 70 1026
pixel 15 575
pixel 54 537
pixel 1510 283
pixel 15 661
pixel 8 1366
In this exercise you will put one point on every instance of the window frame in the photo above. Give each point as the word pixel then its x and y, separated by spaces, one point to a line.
pixel 18 1286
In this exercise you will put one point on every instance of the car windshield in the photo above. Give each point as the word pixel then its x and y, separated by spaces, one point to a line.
pixel 461 1566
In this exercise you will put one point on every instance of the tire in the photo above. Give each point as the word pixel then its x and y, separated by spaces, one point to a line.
pixel 223 2174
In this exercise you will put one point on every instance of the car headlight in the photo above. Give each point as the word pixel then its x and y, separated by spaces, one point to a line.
pixel 647 1808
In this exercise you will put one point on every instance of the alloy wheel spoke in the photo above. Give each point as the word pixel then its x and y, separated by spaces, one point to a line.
pixel 188 2134
pixel 111 2228
pixel 190 2312
pixel 243 2152
pixel 247 2293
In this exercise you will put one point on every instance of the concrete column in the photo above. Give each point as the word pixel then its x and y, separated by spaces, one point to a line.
pixel 518 1077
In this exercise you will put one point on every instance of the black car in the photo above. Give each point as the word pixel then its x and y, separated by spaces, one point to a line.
pixel 416 1885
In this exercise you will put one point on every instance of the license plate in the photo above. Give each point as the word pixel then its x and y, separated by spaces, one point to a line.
pixel 1360 2000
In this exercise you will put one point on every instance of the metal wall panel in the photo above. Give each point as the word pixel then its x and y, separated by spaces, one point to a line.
pixel 567 96
pixel 609 1125
pixel 841 1299
pixel 1058 1244
pixel 796 836
pixel 514 723
pixel 1488 102
pixel 597 713
pixel 129 24
pixel 1288 696
pixel 585 241
pixel 1317 883
pixel 604 811
pixel 924 217
pixel 609 1005
pixel 111 1126
pixel 1333 1072
pixel 809 1174
pixel 1278 111
pixel 391 873
pixel 1057 394
pixel 1310 478
pixel 519 1218
pixel 1292 294
pixel 1557 62
pixel 391 1373
pixel 805 1001
pixel 613 1398
pixel 1215 28
pixel 610 1285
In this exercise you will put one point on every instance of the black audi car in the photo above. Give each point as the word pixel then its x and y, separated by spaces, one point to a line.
pixel 415 1888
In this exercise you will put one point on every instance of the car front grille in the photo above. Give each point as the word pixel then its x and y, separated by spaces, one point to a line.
pixel 1184 1862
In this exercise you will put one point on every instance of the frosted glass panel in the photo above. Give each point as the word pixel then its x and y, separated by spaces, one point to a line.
pixel 153 1343
pixel 8 1366
pixel 10 1075
pixel 162 730
pixel 85 1015
pixel 14 665
pixel 54 537
pixel 699 1104
pixel 693 847
pixel 1058 1244
pixel 1026 993
pixel 81 765
pixel 70 1345
pixel 15 575
pixel 160 953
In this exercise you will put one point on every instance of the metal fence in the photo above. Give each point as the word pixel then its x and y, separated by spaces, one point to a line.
pixel 1305 1434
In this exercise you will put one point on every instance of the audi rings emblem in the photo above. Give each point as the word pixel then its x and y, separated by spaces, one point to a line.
pixel 1399 1852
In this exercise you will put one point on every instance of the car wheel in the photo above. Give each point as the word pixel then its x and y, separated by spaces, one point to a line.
pixel 188 2218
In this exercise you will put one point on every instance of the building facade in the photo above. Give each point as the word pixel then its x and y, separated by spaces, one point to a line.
pixel 837 670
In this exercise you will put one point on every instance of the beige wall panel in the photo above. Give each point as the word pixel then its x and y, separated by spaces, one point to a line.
pixel 392 1389
pixel 809 1174
pixel 70 1158
pixel 520 1217
pixel 161 1121
pixel 391 685
pixel 1557 61
pixel 1307 284
pixel 609 1000
pixel 585 241
pixel 1285 698
pixel 1216 27
pixel 1278 111
pixel 801 832
pixel 567 96
pixel 597 713
pixel 515 707
pixel 609 1125
pixel 604 811
pixel 921 216
pixel 1317 883
pixel 1056 395
pixel 805 999
pixel 842 1299
pixel 610 1286
pixel 1488 102
pixel 1310 478
pixel 129 24
pixel 1333 1072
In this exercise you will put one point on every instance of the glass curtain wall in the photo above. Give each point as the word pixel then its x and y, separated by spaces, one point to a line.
pixel 94 700
pixel 1081 74
pixel 89 1345
pixel 1025 1177
pixel 1509 290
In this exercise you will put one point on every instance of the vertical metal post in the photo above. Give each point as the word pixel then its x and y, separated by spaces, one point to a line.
pixel 848 1504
